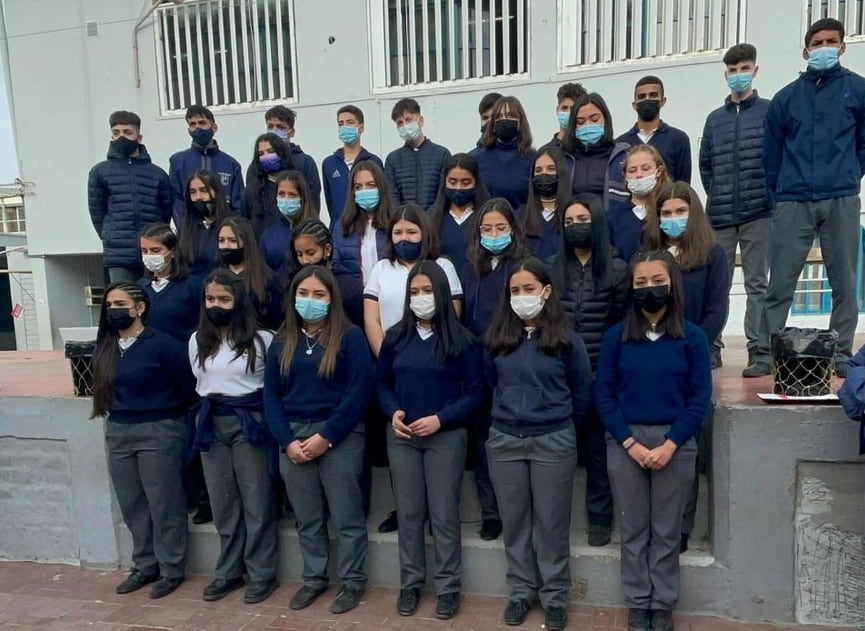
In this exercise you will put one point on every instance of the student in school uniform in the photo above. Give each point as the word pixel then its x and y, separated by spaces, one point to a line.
pixel 461 193
pixel 206 208
pixel 295 206
pixel 316 391
pixel 539 374
pixel 359 236
pixel 592 282
pixel 550 188
pixel 270 156
pixel 227 354
pixel 429 386
pixel 653 390
pixel 143 386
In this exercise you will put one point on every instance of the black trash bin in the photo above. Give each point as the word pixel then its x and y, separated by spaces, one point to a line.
pixel 80 355
pixel 803 361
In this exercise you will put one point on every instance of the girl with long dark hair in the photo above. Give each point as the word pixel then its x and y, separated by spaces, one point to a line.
pixel 143 386
pixel 316 392
pixel 294 202
pixel 270 155
pixel 549 190
pixel 206 208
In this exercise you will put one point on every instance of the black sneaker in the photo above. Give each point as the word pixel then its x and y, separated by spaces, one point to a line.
pixel 347 599
pixel 662 620
pixel 408 602
pixel 758 368
pixel 639 620
pixel 516 612
pixel 716 358
pixel 447 605
pixel 599 535
pixel 491 529
pixel 555 618
pixel 135 581
pixel 165 586
pixel 220 588
pixel 305 596
pixel 390 523
pixel 259 591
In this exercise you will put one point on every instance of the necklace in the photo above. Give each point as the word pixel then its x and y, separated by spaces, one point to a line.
pixel 125 343
pixel 655 327
pixel 306 338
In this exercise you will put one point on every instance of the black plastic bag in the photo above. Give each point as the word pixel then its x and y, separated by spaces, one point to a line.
pixel 803 361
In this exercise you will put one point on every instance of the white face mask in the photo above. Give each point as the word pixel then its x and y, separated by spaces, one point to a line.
pixel 423 307
pixel 527 307
pixel 643 186
pixel 409 132
pixel 154 263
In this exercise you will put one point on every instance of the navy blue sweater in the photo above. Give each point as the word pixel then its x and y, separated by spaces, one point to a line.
pixel 706 293
pixel 176 308
pixel 303 397
pixel 183 164
pixel 673 145
pixel 482 294
pixel 334 175
pixel 152 380
pixel 409 377
pixel 548 243
pixel 626 230
pixel 665 382
pixel 505 172
pixel 454 239
pixel 275 243
pixel 535 393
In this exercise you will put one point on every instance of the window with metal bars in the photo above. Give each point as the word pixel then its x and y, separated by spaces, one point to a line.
pixel 603 31
pixel 851 13
pixel 225 52
pixel 434 41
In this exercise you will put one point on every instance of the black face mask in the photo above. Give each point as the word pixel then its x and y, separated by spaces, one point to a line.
pixel 231 257
pixel 648 110
pixel 201 137
pixel 651 299
pixel 460 196
pixel 118 319
pixel 219 316
pixel 579 235
pixel 547 185
pixel 124 146
pixel 506 130
pixel 202 209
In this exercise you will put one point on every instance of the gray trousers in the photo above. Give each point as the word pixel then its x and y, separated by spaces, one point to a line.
pixel 330 485
pixel 650 506
pixel 241 496
pixel 429 471
pixel 124 274
pixel 534 478
pixel 145 462
pixel 794 225
pixel 753 241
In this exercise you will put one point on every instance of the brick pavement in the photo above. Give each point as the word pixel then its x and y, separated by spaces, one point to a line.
pixel 64 598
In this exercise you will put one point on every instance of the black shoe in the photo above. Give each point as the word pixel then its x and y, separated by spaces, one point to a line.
pixel 491 529
pixel 390 523
pixel 347 599
pixel 516 612
pixel 204 515
pixel 716 358
pixel 683 543
pixel 165 586
pixel 662 620
pixel 841 368
pixel 757 368
pixel 135 581
pixel 220 588
pixel 305 596
pixel 447 605
pixel 599 535
pixel 639 620
pixel 408 602
pixel 555 618
pixel 259 591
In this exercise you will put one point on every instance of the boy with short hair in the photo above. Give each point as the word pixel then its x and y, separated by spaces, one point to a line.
pixel 280 120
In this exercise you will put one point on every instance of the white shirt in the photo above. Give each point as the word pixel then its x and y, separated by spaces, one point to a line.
pixel 548 214
pixel 645 138
pixel 461 220
pixel 225 374
pixel 640 212
pixel 387 285
pixel 368 251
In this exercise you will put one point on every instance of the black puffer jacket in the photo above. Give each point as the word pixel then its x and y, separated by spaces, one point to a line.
pixel 731 166
pixel 592 309
pixel 414 175
pixel 124 195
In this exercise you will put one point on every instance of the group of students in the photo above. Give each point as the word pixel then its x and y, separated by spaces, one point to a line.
pixel 470 306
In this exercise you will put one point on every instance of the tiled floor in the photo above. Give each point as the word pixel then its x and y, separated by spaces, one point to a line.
pixel 62 598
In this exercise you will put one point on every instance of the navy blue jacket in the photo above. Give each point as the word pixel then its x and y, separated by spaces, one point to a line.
pixel 152 380
pixel 852 393
pixel 303 397
pixel 554 142
pixel 453 239
pixel 673 145
pixel 334 175
pixel 124 195
pixel 409 377
pixel 414 175
pixel 183 164
pixel 814 144
pixel 304 163
pixel 731 163
pixel 275 243
pixel 626 230
pixel 706 293
pixel 176 308
pixel 482 295
pixel 600 170
pixel 346 251
pixel 535 393
pixel 505 172
pixel 665 382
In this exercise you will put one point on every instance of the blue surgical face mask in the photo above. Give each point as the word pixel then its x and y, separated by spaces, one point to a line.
pixel 564 118
pixel 590 134
pixel 496 245
pixel 367 199
pixel 674 227
pixel 311 310
pixel 282 133
pixel 740 83
pixel 288 206
pixel 823 58
pixel 348 135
